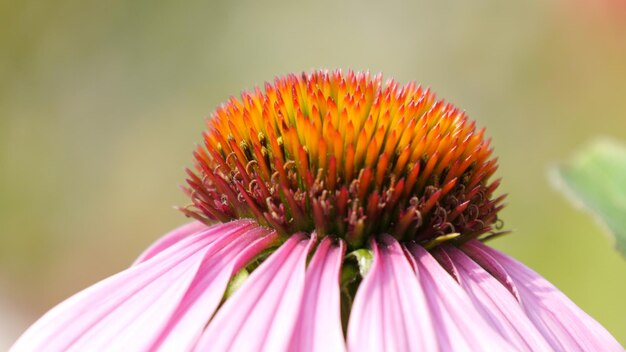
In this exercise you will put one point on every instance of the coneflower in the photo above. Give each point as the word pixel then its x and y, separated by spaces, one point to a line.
pixel 332 212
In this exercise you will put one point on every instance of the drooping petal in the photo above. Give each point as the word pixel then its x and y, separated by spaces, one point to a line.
pixel 262 313
pixel 563 324
pixel 170 239
pixel 203 296
pixel 318 327
pixel 458 325
pixel 133 310
pixel 390 311
pixel 496 304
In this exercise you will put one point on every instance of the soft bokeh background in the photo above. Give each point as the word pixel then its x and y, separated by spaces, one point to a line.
pixel 102 102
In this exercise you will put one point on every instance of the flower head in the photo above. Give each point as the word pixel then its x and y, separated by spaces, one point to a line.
pixel 346 156
pixel 334 212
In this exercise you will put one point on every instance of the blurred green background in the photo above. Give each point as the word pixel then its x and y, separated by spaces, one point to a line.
pixel 102 102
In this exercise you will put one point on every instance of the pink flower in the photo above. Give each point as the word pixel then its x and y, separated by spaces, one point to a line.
pixel 351 217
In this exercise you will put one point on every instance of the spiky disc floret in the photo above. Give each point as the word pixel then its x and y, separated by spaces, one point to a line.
pixel 346 156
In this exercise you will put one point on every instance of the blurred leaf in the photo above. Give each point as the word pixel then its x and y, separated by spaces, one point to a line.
pixel 596 176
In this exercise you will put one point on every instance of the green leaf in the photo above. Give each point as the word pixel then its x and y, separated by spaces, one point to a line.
pixel 596 177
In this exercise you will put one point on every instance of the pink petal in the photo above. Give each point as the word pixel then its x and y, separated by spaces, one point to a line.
pixel 262 313
pixel 496 304
pixel 318 327
pixel 390 311
pixel 459 326
pixel 169 239
pixel 562 323
pixel 132 310
pixel 203 296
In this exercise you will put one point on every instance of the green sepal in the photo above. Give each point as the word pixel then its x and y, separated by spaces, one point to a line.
pixel 235 282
